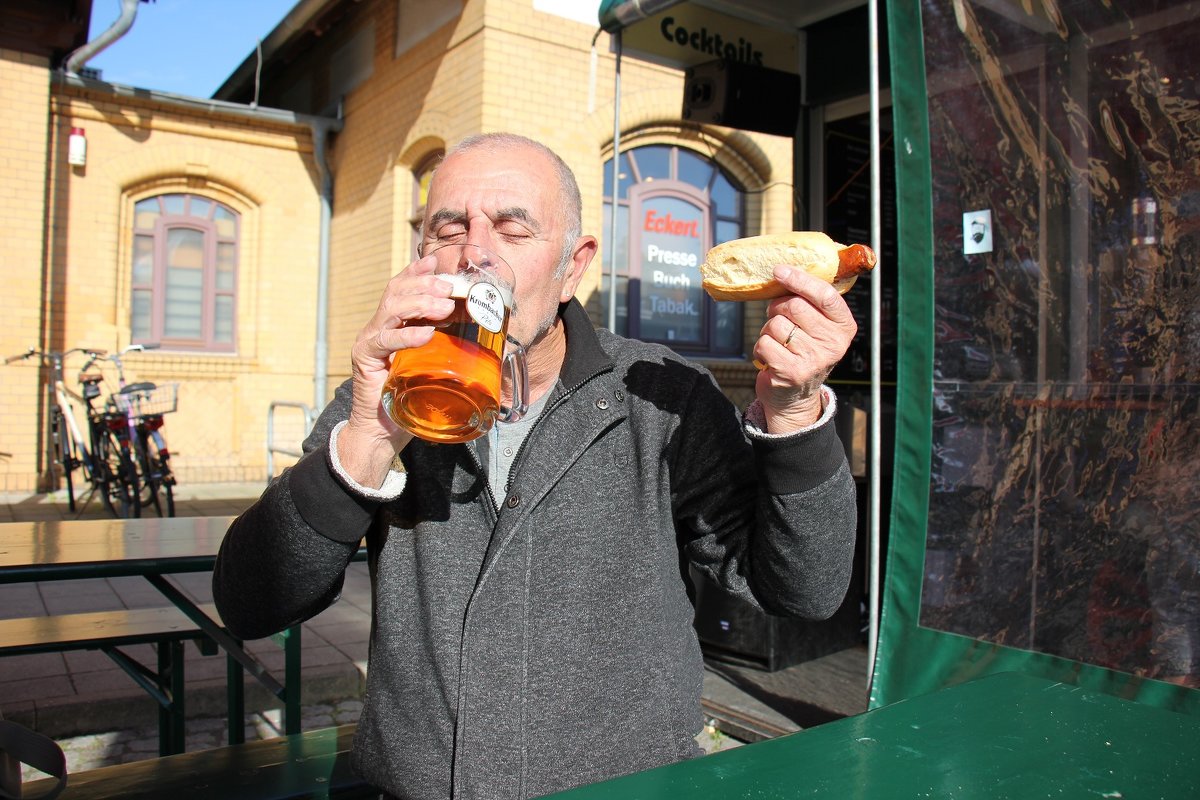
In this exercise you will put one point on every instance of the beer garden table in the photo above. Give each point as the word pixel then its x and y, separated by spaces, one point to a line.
pixel 152 548
pixel 1003 736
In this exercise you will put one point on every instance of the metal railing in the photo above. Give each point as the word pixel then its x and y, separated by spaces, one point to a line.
pixel 273 448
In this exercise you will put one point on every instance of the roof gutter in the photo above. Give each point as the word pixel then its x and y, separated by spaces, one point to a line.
pixel 195 104
pixel 76 61
pixel 321 128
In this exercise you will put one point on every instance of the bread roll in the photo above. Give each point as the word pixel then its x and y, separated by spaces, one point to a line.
pixel 741 269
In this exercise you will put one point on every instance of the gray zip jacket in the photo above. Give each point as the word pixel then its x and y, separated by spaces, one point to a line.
pixel 541 640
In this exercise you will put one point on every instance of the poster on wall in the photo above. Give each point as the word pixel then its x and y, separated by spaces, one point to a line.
pixel 671 237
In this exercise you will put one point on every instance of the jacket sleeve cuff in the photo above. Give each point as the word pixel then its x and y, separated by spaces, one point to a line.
pixel 330 502
pixel 755 419
pixel 393 484
pixel 790 463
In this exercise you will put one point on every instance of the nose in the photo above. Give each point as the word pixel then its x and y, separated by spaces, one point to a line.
pixel 479 233
pixel 478 236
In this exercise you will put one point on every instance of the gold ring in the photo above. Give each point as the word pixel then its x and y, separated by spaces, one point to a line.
pixel 788 340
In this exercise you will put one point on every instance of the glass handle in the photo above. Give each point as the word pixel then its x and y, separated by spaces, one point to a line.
pixel 514 367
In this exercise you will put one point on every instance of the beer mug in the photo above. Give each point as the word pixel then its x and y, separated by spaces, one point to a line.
pixel 448 390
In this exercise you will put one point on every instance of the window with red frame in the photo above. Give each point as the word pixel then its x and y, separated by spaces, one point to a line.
pixel 184 273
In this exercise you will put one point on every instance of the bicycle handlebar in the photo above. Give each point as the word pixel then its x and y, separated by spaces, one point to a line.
pixel 115 358
pixel 92 352
pixel 20 356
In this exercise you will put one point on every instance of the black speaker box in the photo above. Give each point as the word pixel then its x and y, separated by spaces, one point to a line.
pixel 744 96
pixel 733 631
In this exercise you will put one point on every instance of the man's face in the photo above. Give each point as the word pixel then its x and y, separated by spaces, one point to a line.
pixel 507 202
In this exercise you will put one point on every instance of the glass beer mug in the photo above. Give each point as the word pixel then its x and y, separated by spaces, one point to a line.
pixel 448 390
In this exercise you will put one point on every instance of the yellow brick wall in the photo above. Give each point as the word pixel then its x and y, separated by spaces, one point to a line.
pixel 24 93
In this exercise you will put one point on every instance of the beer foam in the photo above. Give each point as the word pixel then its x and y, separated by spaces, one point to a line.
pixel 461 283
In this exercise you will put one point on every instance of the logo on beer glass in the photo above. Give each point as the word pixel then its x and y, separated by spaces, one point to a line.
pixel 450 389
pixel 486 307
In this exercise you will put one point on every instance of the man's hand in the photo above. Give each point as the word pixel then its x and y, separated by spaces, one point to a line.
pixel 806 334
pixel 370 440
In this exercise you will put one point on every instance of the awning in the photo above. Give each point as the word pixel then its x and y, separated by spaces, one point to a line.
pixel 617 14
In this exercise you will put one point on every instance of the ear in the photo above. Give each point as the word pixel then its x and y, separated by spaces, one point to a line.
pixel 581 259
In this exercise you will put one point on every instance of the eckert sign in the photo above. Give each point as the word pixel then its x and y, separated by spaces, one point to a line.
pixel 665 223
pixel 687 34
pixel 671 239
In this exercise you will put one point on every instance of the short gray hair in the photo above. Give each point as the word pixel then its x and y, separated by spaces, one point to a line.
pixel 571 205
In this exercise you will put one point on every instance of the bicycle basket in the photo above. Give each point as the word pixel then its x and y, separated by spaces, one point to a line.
pixel 148 402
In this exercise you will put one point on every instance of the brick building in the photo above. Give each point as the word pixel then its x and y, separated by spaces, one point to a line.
pixel 199 223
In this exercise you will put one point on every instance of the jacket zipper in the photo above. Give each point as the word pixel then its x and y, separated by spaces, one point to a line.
pixel 558 401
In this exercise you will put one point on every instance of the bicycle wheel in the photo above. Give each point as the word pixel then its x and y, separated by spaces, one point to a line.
pixel 119 489
pixel 66 455
pixel 157 482
pixel 160 457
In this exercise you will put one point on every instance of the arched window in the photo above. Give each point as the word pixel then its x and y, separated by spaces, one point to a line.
pixel 422 175
pixel 184 273
pixel 681 204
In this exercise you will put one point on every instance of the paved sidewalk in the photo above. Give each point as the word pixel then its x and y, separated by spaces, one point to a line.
pixel 202 500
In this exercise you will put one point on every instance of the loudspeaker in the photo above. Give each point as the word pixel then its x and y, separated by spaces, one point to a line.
pixel 733 631
pixel 744 96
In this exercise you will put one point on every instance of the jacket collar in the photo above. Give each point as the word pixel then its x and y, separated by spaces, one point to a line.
pixel 585 357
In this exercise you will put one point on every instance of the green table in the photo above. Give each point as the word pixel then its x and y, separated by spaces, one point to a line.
pixel 1003 736
pixel 153 549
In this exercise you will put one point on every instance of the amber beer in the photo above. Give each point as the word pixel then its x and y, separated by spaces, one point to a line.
pixel 448 390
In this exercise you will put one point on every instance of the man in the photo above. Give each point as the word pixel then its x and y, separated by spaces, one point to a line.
pixel 532 628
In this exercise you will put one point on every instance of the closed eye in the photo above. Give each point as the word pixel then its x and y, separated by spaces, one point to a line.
pixel 449 232
pixel 513 231
pixel 516 223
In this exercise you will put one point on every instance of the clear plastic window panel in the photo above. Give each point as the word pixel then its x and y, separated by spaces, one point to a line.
pixel 1064 511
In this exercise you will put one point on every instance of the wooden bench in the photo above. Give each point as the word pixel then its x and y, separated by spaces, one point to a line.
pixel 166 628
pixel 313 764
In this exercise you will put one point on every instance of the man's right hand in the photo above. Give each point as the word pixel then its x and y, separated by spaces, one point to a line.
pixel 370 440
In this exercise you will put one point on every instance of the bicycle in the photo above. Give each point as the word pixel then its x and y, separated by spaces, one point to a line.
pixel 139 408
pixel 107 463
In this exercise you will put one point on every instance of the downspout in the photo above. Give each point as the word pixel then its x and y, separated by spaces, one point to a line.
pixel 321 128
pixel 80 57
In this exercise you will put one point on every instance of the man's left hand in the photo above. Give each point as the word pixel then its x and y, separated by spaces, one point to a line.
pixel 806 334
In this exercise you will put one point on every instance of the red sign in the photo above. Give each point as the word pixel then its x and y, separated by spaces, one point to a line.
pixel 668 224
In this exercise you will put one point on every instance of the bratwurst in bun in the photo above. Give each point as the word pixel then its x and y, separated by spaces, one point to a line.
pixel 741 269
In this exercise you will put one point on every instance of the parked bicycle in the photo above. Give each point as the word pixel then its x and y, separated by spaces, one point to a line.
pixel 137 409
pixel 106 461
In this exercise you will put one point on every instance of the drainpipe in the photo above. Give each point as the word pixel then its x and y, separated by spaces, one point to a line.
pixel 321 128
pixel 77 59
